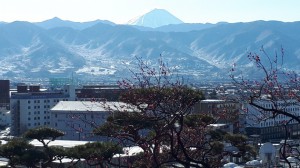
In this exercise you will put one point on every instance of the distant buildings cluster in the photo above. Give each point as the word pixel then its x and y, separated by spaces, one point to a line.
pixel 77 111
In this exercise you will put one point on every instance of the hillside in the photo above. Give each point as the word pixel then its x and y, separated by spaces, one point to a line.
pixel 107 51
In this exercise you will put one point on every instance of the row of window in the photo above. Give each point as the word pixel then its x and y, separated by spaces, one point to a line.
pixel 38 112
pixel 84 116
pixel 78 126
pixel 47 101
pixel 37 118
pixel 38 107
pixel 268 130
pixel 274 123
pixel 269 105
pixel 38 123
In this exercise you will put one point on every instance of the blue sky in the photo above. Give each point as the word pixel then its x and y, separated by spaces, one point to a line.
pixel 121 11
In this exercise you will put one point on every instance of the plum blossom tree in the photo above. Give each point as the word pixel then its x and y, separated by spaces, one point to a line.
pixel 276 84
pixel 274 94
pixel 162 123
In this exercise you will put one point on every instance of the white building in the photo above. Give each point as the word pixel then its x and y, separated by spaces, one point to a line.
pixel 269 126
pixel 78 119
pixel 30 108
pixel 5 117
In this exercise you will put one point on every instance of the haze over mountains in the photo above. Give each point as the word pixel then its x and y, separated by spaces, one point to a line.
pixel 104 50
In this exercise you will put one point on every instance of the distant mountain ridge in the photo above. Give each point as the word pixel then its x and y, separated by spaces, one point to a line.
pixel 106 51
pixel 57 22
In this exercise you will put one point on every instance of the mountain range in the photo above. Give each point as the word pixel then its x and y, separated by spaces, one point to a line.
pixel 104 50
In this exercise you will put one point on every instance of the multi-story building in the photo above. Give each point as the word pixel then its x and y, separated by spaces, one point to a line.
pixel 225 111
pixel 269 126
pixel 5 117
pixel 4 103
pixel 4 92
pixel 99 92
pixel 78 119
pixel 30 106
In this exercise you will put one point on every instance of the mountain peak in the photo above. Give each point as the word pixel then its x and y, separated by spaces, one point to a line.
pixel 55 18
pixel 155 18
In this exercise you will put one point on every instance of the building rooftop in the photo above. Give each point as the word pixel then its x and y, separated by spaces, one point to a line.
pixel 37 95
pixel 89 106
pixel 211 101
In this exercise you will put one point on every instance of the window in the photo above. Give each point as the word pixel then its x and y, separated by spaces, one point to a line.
pixel 28 101
pixel 29 118
pixel 29 107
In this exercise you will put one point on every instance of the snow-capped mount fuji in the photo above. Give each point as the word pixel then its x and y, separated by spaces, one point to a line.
pixel 155 18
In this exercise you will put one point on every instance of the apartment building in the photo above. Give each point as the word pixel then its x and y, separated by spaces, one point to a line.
pixel 4 103
pixel 78 119
pixel 4 92
pixel 99 92
pixel 269 127
pixel 30 106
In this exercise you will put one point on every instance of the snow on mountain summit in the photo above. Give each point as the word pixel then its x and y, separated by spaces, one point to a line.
pixel 155 18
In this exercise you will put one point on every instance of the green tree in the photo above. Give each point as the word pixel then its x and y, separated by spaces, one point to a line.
pixel 160 122
pixel 45 135
pixel 58 153
pixel 95 154
pixel 240 141
pixel 32 157
pixel 20 152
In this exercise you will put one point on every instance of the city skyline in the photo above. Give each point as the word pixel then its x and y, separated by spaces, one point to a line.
pixel 120 12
